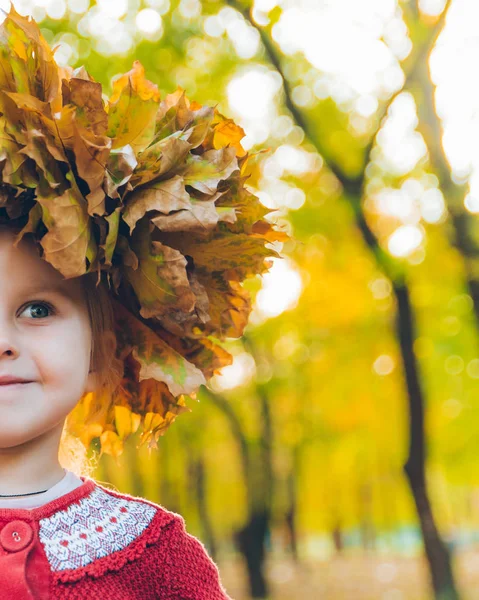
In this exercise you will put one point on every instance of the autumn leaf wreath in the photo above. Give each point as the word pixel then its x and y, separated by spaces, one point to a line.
pixel 147 193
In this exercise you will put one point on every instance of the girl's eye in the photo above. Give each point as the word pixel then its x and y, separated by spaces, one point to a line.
pixel 43 306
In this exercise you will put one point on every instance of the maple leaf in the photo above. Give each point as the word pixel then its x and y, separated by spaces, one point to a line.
pixel 228 133
pixel 160 281
pixel 132 109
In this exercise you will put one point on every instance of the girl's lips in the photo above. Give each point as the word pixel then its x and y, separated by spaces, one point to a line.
pixel 7 379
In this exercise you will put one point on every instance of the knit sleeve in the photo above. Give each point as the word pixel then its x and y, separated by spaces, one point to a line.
pixel 189 571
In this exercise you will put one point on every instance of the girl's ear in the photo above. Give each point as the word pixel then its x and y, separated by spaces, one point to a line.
pixel 92 381
pixel 109 341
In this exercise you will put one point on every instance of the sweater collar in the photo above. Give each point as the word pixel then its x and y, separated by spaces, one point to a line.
pixel 48 509
pixel 91 530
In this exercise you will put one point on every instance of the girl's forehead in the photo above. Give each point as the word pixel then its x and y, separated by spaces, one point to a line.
pixel 25 256
pixel 23 267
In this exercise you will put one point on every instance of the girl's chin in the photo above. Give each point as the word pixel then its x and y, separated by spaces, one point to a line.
pixel 21 429
pixel 10 440
pixel 13 393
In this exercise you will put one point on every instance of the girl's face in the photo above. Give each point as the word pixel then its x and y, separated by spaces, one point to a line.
pixel 45 338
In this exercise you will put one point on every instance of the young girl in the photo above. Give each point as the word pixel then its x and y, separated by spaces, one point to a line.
pixel 125 232
pixel 62 536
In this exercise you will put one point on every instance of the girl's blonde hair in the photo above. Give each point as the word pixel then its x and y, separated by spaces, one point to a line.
pixel 72 453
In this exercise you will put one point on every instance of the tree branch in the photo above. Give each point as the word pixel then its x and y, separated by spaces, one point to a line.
pixel 350 184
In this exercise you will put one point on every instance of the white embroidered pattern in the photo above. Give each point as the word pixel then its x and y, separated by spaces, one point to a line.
pixel 96 526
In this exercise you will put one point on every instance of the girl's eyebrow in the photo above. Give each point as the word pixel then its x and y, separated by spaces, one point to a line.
pixel 41 289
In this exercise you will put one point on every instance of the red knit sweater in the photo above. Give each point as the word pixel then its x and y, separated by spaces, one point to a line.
pixel 97 543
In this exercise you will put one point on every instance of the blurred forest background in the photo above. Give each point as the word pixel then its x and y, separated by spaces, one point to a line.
pixel 337 456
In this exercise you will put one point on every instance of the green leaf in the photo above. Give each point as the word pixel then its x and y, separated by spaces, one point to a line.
pixel 204 172
pixel 132 109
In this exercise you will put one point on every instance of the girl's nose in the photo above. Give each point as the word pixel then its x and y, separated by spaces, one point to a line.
pixel 8 344
pixel 7 350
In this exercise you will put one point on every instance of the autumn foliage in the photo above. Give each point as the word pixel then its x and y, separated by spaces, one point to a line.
pixel 150 195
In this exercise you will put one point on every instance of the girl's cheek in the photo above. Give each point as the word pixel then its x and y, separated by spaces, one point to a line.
pixel 64 346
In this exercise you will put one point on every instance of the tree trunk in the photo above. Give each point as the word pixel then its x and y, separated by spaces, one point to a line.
pixel 290 517
pixel 368 531
pixel 436 551
pixel 198 476
pixel 337 536
pixel 250 540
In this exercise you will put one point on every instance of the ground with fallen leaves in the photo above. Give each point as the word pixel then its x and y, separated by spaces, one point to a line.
pixel 352 578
